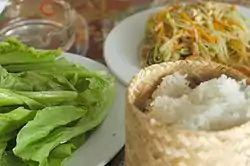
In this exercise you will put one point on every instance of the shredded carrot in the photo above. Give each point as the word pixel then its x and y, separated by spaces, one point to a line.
pixel 191 33
pixel 201 31
pixel 207 37
pixel 232 22
pixel 218 25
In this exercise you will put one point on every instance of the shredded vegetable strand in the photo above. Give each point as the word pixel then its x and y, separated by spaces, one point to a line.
pixel 208 31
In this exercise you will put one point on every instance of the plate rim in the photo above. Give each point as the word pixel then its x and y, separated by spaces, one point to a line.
pixel 106 55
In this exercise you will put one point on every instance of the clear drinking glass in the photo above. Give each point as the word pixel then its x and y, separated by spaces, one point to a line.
pixel 43 24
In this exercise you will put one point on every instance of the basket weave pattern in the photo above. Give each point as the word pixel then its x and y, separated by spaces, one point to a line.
pixel 149 143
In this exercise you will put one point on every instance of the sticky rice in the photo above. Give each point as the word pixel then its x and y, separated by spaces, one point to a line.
pixel 217 104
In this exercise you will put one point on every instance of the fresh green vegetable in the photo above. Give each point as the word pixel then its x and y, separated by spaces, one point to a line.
pixel 50 98
pixel 6 109
pixel 60 62
pixel 15 119
pixel 2 148
pixel 38 128
pixel 59 154
pixel 40 150
pixel 11 81
pixel 14 52
pixel 48 105
pixel 64 151
pixel 9 159
pixel 42 81
pixel 8 98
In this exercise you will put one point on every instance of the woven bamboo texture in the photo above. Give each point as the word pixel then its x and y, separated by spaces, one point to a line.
pixel 149 143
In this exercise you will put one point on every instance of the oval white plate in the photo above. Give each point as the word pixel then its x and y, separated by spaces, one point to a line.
pixel 121 46
pixel 108 139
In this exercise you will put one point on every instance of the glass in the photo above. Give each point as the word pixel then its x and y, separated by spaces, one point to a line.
pixel 43 24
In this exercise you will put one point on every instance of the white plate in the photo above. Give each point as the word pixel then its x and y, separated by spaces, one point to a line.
pixel 108 139
pixel 121 46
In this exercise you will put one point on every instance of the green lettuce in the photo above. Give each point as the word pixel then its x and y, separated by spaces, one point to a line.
pixel 92 98
pixel 9 98
pixel 3 146
pixel 11 81
pixel 45 122
pixel 9 159
pixel 6 109
pixel 15 119
pixel 59 155
pixel 46 81
pixel 48 105
pixel 13 51
pixel 62 152
pixel 51 98
pixel 50 65
pixel 39 151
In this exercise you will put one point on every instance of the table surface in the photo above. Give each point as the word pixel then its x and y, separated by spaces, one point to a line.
pixel 102 16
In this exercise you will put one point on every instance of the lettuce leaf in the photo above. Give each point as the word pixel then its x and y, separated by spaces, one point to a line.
pixel 15 119
pixel 51 98
pixel 39 151
pixel 11 81
pixel 38 148
pixel 59 155
pixel 13 51
pixel 62 152
pixel 6 109
pixel 9 159
pixel 3 146
pixel 9 98
pixel 66 102
pixel 47 81
pixel 55 64
pixel 45 122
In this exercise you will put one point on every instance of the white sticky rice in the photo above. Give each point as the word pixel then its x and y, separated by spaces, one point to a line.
pixel 216 104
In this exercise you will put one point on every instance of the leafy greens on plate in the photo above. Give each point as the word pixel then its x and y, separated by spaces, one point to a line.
pixel 48 106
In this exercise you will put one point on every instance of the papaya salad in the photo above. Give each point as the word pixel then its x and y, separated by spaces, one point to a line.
pixel 208 31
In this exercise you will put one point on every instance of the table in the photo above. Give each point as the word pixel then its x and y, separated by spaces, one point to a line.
pixel 103 15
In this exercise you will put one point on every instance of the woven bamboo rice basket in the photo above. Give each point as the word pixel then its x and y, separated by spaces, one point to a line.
pixel 150 143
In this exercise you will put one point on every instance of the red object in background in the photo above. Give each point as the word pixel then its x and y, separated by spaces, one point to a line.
pixel 47 8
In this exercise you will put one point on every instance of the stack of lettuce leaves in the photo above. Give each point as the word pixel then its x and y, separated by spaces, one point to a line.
pixel 48 106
